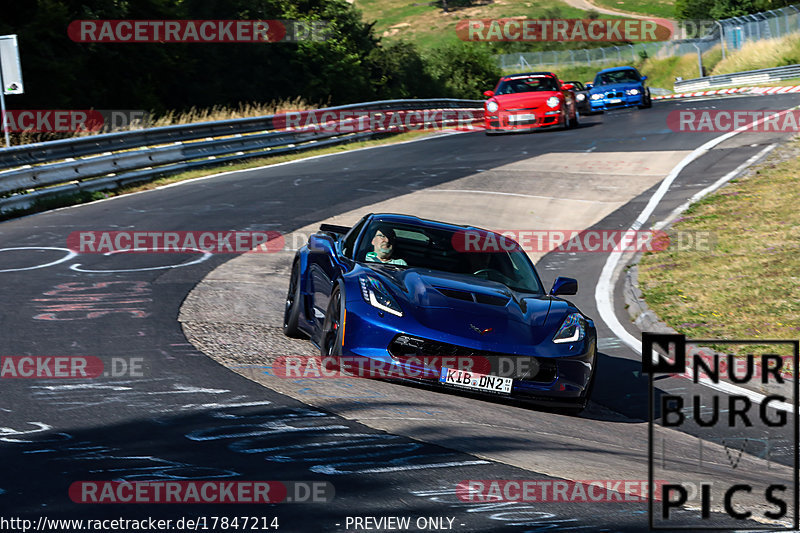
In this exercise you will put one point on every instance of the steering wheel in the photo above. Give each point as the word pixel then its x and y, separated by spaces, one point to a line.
pixel 484 270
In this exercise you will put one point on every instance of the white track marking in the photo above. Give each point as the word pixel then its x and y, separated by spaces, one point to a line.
pixel 70 255
pixel 205 256
pixel 604 291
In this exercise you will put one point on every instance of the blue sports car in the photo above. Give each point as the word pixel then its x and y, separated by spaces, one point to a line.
pixel 619 87
pixel 456 307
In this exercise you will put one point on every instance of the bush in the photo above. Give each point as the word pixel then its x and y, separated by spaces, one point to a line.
pixel 463 70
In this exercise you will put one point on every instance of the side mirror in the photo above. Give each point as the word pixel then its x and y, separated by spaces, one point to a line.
pixel 564 286
pixel 319 242
pixel 643 78
pixel 568 87
pixel 588 85
pixel 488 94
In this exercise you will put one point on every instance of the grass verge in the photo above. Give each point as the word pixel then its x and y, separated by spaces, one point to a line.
pixel 748 286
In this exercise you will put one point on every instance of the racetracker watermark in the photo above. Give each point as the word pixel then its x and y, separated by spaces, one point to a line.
pixel 734 469
pixel 601 241
pixel 73 121
pixel 361 120
pixel 198 31
pixel 724 120
pixel 553 490
pixel 69 366
pixel 592 30
pixel 201 491
pixel 213 242
pixel 413 367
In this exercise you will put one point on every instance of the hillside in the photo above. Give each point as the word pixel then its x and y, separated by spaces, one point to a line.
pixel 427 25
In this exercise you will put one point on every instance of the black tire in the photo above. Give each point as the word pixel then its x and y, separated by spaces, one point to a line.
pixel 583 402
pixel 330 344
pixel 576 122
pixel 648 103
pixel 291 311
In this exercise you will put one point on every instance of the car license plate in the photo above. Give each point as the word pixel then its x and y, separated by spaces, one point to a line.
pixel 523 117
pixel 615 100
pixel 474 380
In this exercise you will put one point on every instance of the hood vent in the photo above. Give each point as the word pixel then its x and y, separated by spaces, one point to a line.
pixel 488 299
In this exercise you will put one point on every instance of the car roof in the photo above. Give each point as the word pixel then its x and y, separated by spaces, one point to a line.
pixel 614 69
pixel 520 74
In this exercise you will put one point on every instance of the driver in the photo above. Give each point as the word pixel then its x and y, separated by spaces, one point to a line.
pixel 383 247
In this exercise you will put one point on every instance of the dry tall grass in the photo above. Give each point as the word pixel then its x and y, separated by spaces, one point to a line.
pixel 762 54
pixel 171 118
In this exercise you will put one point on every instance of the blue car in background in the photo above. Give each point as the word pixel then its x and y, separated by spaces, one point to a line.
pixel 424 296
pixel 619 87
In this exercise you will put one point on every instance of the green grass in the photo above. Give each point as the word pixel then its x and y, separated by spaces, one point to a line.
pixel 660 72
pixel 748 285
pixel 657 8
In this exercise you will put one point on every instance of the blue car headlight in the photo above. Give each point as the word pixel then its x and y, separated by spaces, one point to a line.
pixel 597 96
pixel 378 296
pixel 632 92
pixel 573 329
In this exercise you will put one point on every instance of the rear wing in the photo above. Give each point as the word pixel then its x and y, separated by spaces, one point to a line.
pixel 333 228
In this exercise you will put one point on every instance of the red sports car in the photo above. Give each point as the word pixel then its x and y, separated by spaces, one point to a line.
pixel 530 100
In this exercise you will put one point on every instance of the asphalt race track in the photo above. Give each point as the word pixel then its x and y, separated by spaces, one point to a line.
pixel 184 416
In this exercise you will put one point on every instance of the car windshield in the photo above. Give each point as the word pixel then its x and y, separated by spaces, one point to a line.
pixel 527 85
pixel 619 76
pixel 478 254
pixel 578 85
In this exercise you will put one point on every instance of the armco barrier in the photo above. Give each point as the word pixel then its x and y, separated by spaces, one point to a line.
pixel 750 77
pixel 112 160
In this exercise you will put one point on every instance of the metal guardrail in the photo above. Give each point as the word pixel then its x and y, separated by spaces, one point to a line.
pixel 765 75
pixel 112 160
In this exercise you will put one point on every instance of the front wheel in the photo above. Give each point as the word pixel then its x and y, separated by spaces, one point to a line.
pixel 575 122
pixel 583 402
pixel 291 311
pixel 331 342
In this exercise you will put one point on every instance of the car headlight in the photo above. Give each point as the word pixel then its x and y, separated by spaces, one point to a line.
pixel 597 96
pixel 491 106
pixel 581 97
pixel 632 92
pixel 377 295
pixel 552 102
pixel 572 329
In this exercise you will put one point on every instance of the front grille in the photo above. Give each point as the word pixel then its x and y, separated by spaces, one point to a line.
pixel 612 94
pixel 522 367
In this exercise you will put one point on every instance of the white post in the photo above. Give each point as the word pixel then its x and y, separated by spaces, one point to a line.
pixel 3 107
